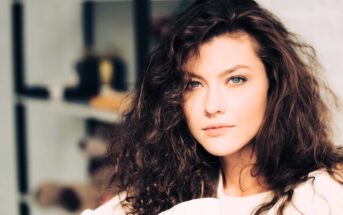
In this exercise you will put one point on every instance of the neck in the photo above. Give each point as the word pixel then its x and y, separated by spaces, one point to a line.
pixel 237 177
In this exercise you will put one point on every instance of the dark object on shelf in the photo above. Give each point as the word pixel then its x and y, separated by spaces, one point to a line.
pixel 69 200
pixel 89 75
pixel 70 197
pixel 35 92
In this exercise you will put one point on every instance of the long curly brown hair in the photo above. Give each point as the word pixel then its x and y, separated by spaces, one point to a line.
pixel 161 164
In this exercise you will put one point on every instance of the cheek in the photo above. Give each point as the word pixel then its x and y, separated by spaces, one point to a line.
pixel 191 110
pixel 187 106
pixel 250 106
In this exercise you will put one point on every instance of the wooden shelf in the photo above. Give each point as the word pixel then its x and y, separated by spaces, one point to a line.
pixel 74 109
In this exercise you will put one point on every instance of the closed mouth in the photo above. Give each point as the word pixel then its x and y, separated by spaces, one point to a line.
pixel 217 127
pixel 216 131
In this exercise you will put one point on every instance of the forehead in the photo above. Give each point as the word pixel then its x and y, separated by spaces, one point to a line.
pixel 224 50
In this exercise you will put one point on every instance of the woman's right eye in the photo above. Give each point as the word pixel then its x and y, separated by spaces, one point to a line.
pixel 193 84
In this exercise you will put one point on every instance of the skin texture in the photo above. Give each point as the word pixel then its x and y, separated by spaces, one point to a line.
pixel 225 104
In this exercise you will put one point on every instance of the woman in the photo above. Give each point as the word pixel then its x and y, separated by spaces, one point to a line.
pixel 230 114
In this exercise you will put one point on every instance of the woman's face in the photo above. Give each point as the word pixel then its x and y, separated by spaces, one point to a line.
pixel 226 96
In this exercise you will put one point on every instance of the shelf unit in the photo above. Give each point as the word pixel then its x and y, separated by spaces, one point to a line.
pixel 32 97
pixel 74 109
pixel 38 97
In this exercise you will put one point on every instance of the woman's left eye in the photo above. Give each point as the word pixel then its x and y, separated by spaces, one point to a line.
pixel 236 80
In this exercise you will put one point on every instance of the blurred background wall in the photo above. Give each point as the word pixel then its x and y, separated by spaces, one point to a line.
pixel 53 44
pixel 8 188
pixel 319 23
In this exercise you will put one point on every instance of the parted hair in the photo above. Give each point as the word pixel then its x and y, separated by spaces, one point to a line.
pixel 160 163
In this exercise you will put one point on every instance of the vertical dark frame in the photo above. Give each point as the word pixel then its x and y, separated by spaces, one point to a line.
pixel 17 15
pixel 142 23
pixel 21 153
pixel 18 46
pixel 22 161
pixel 88 24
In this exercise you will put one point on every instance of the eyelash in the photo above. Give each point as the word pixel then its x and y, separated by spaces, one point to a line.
pixel 241 79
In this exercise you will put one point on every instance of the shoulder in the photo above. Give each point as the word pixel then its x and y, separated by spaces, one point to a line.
pixel 320 182
pixel 320 194
pixel 197 206
pixel 112 207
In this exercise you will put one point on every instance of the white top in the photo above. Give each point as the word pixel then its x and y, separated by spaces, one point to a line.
pixel 112 207
pixel 319 196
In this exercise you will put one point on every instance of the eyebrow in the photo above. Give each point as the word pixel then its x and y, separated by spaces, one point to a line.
pixel 222 74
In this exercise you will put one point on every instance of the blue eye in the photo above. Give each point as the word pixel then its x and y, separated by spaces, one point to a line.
pixel 236 80
pixel 193 84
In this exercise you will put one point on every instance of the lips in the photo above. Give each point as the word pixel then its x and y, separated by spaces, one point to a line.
pixel 217 130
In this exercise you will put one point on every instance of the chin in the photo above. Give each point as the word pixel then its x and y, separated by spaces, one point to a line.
pixel 221 151
pixel 221 147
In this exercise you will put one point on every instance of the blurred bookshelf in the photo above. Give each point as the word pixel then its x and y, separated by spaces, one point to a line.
pixel 49 42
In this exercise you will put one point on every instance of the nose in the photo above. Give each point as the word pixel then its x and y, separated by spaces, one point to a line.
pixel 214 103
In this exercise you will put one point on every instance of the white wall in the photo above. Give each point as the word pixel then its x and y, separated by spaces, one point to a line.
pixel 319 23
pixel 52 39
